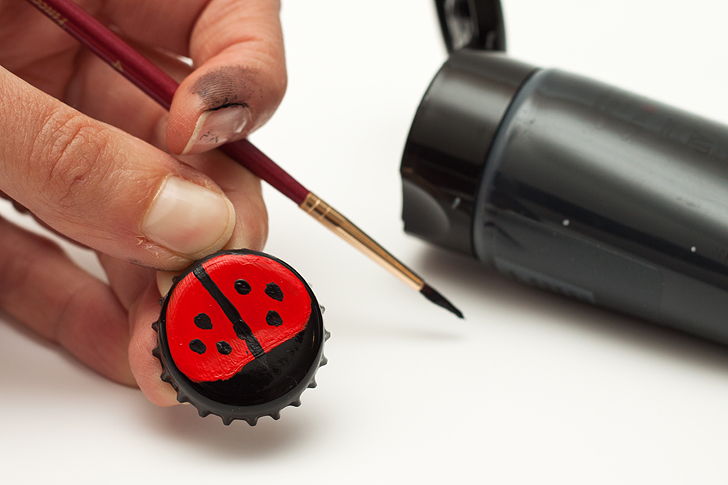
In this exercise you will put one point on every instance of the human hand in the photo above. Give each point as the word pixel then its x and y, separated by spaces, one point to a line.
pixel 98 175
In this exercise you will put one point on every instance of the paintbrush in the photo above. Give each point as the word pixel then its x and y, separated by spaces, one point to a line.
pixel 161 87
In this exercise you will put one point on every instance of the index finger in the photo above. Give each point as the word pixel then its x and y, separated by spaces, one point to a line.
pixel 240 80
pixel 237 51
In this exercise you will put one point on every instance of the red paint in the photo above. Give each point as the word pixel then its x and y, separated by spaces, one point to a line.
pixel 190 298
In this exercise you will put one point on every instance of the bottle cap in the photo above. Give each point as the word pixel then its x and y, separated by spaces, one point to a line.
pixel 240 335
pixel 445 157
pixel 455 125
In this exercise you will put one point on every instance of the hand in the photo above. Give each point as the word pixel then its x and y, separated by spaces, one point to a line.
pixel 86 153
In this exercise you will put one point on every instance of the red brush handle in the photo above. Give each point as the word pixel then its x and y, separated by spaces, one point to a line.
pixel 158 85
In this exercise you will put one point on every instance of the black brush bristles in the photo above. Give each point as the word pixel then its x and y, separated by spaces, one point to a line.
pixel 435 297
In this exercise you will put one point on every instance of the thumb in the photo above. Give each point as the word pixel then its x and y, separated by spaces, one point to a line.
pixel 104 188
pixel 240 77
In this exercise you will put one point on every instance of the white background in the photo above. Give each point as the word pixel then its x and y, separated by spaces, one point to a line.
pixel 532 388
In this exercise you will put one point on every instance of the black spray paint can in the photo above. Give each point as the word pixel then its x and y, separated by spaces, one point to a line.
pixel 569 184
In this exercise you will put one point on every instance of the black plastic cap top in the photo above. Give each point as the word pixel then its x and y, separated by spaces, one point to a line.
pixel 449 142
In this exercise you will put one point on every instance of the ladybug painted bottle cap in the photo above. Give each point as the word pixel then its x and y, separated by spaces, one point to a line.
pixel 240 335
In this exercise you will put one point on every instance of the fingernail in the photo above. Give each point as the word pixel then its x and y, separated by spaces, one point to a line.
pixel 216 127
pixel 188 219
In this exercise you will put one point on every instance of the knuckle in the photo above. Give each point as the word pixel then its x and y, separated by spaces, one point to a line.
pixel 69 156
pixel 258 236
pixel 257 227
pixel 29 256
pixel 66 327
pixel 15 278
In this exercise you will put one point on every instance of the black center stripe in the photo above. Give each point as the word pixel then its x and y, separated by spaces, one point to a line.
pixel 242 330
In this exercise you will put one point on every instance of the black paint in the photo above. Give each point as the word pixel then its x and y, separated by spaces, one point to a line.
pixel 242 330
pixel 242 287
pixel 203 321
pixel 274 291
pixel 228 105
pixel 436 297
pixel 273 319
pixel 226 86
pixel 224 348
pixel 198 346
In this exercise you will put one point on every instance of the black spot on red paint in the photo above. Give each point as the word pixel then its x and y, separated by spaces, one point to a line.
pixel 273 319
pixel 203 321
pixel 197 346
pixel 224 348
pixel 242 287
pixel 274 291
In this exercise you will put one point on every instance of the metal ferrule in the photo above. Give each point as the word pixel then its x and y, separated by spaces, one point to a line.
pixel 344 228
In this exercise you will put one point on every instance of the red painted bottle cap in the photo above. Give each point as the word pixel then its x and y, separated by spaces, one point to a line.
pixel 240 335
